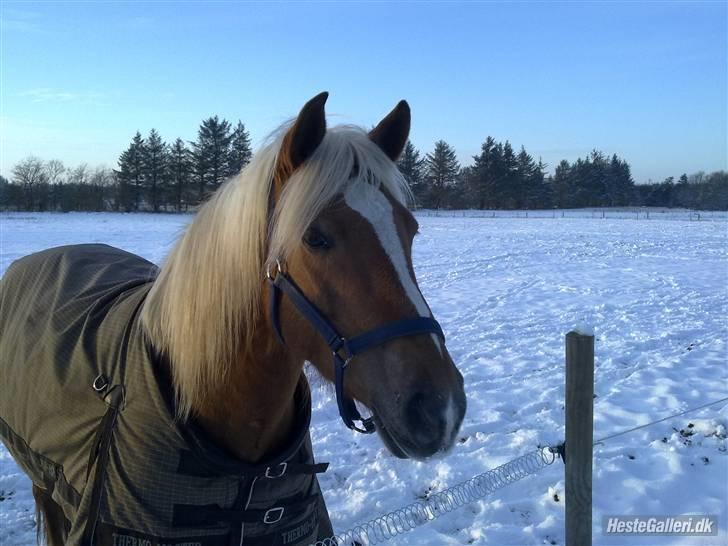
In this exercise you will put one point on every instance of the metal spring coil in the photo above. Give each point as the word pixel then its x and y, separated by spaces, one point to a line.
pixel 418 513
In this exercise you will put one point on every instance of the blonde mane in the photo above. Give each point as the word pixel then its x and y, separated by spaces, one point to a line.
pixel 203 306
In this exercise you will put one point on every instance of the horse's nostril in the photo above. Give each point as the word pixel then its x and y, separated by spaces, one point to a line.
pixel 425 415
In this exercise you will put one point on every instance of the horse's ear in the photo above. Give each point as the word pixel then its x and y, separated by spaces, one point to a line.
pixel 303 137
pixel 392 132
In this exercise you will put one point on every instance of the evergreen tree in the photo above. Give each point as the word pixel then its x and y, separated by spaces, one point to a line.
pixel 619 186
pixel 459 195
pixel 180 172
pixel 412 168
pixel 481 182
pixel 503 179
pixel 240 149
pixel 683 197
pixel 510 189
pixel 528 180
pixel 561 185
pixel 498 176
pixel 543 197
pixel 594 182
pixel 582 182
pixel 131 174
pixel 199 171
pixel 154 160
pixel 442 169
pixel 211 153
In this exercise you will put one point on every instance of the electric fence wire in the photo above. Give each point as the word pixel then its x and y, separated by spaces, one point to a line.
pixel 638 427
pixel 402 520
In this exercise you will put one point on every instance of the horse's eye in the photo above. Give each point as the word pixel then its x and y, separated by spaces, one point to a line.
pixel 315 239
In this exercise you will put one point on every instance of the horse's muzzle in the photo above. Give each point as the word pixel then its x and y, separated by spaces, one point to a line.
pixel 428 424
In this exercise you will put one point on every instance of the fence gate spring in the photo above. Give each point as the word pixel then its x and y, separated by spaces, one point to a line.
pixel 418 513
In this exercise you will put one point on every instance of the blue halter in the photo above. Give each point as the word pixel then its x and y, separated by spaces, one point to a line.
pixel 343 350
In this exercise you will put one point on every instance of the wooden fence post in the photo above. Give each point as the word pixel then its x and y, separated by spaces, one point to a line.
pixel 579 437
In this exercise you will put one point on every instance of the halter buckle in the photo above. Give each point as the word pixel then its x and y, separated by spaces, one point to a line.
pixel 279 268
pixel 337 350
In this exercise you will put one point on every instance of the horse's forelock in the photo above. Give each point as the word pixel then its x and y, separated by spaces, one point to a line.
pixel 346 156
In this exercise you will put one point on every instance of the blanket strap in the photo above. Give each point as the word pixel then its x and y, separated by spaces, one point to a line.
pixel 188 515
pixel 99 456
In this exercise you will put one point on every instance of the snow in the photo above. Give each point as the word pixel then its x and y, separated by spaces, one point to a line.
pixel 584 329
pixel 506 290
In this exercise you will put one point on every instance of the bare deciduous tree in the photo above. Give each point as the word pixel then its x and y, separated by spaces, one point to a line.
pixel 79 175
pixel 30 173
pixel 55 171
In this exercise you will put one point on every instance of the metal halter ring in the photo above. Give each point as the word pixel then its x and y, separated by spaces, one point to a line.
pixel 279 269
pixel 342 348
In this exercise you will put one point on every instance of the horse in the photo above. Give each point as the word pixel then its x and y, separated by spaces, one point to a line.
pixel 161 406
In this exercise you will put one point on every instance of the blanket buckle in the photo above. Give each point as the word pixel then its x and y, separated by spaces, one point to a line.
pixel 282 466
pixel 273 515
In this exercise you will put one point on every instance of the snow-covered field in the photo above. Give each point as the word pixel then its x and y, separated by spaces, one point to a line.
pixel 616 213
pixel 506 290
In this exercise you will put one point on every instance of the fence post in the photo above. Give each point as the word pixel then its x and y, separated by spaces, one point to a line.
pixel 579 437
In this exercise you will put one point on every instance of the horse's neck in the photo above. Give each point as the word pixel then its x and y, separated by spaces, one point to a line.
pixel 253 413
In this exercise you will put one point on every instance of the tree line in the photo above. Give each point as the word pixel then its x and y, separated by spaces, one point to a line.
pixel 501 178
pixel 153 175
pixel 157 176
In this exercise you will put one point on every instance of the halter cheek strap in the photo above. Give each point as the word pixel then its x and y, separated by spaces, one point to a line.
pixel 342 349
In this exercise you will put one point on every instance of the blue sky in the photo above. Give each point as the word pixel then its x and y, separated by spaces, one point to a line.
pixel 645 80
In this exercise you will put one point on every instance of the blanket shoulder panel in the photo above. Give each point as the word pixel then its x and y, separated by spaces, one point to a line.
pixel 65 313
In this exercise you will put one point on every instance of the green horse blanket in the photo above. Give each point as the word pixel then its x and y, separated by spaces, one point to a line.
pixel 87 412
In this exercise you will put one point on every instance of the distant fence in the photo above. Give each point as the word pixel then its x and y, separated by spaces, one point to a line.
pixel 609 214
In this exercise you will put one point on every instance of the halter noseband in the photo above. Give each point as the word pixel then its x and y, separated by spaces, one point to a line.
pixel 343 349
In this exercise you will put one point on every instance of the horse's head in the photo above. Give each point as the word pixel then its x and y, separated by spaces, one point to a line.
pixel 352 259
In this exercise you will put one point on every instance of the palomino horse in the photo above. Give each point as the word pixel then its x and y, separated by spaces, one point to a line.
pixel 169 406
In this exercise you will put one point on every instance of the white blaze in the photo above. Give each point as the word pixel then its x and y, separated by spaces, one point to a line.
pixel 374 206
pixel 450 418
